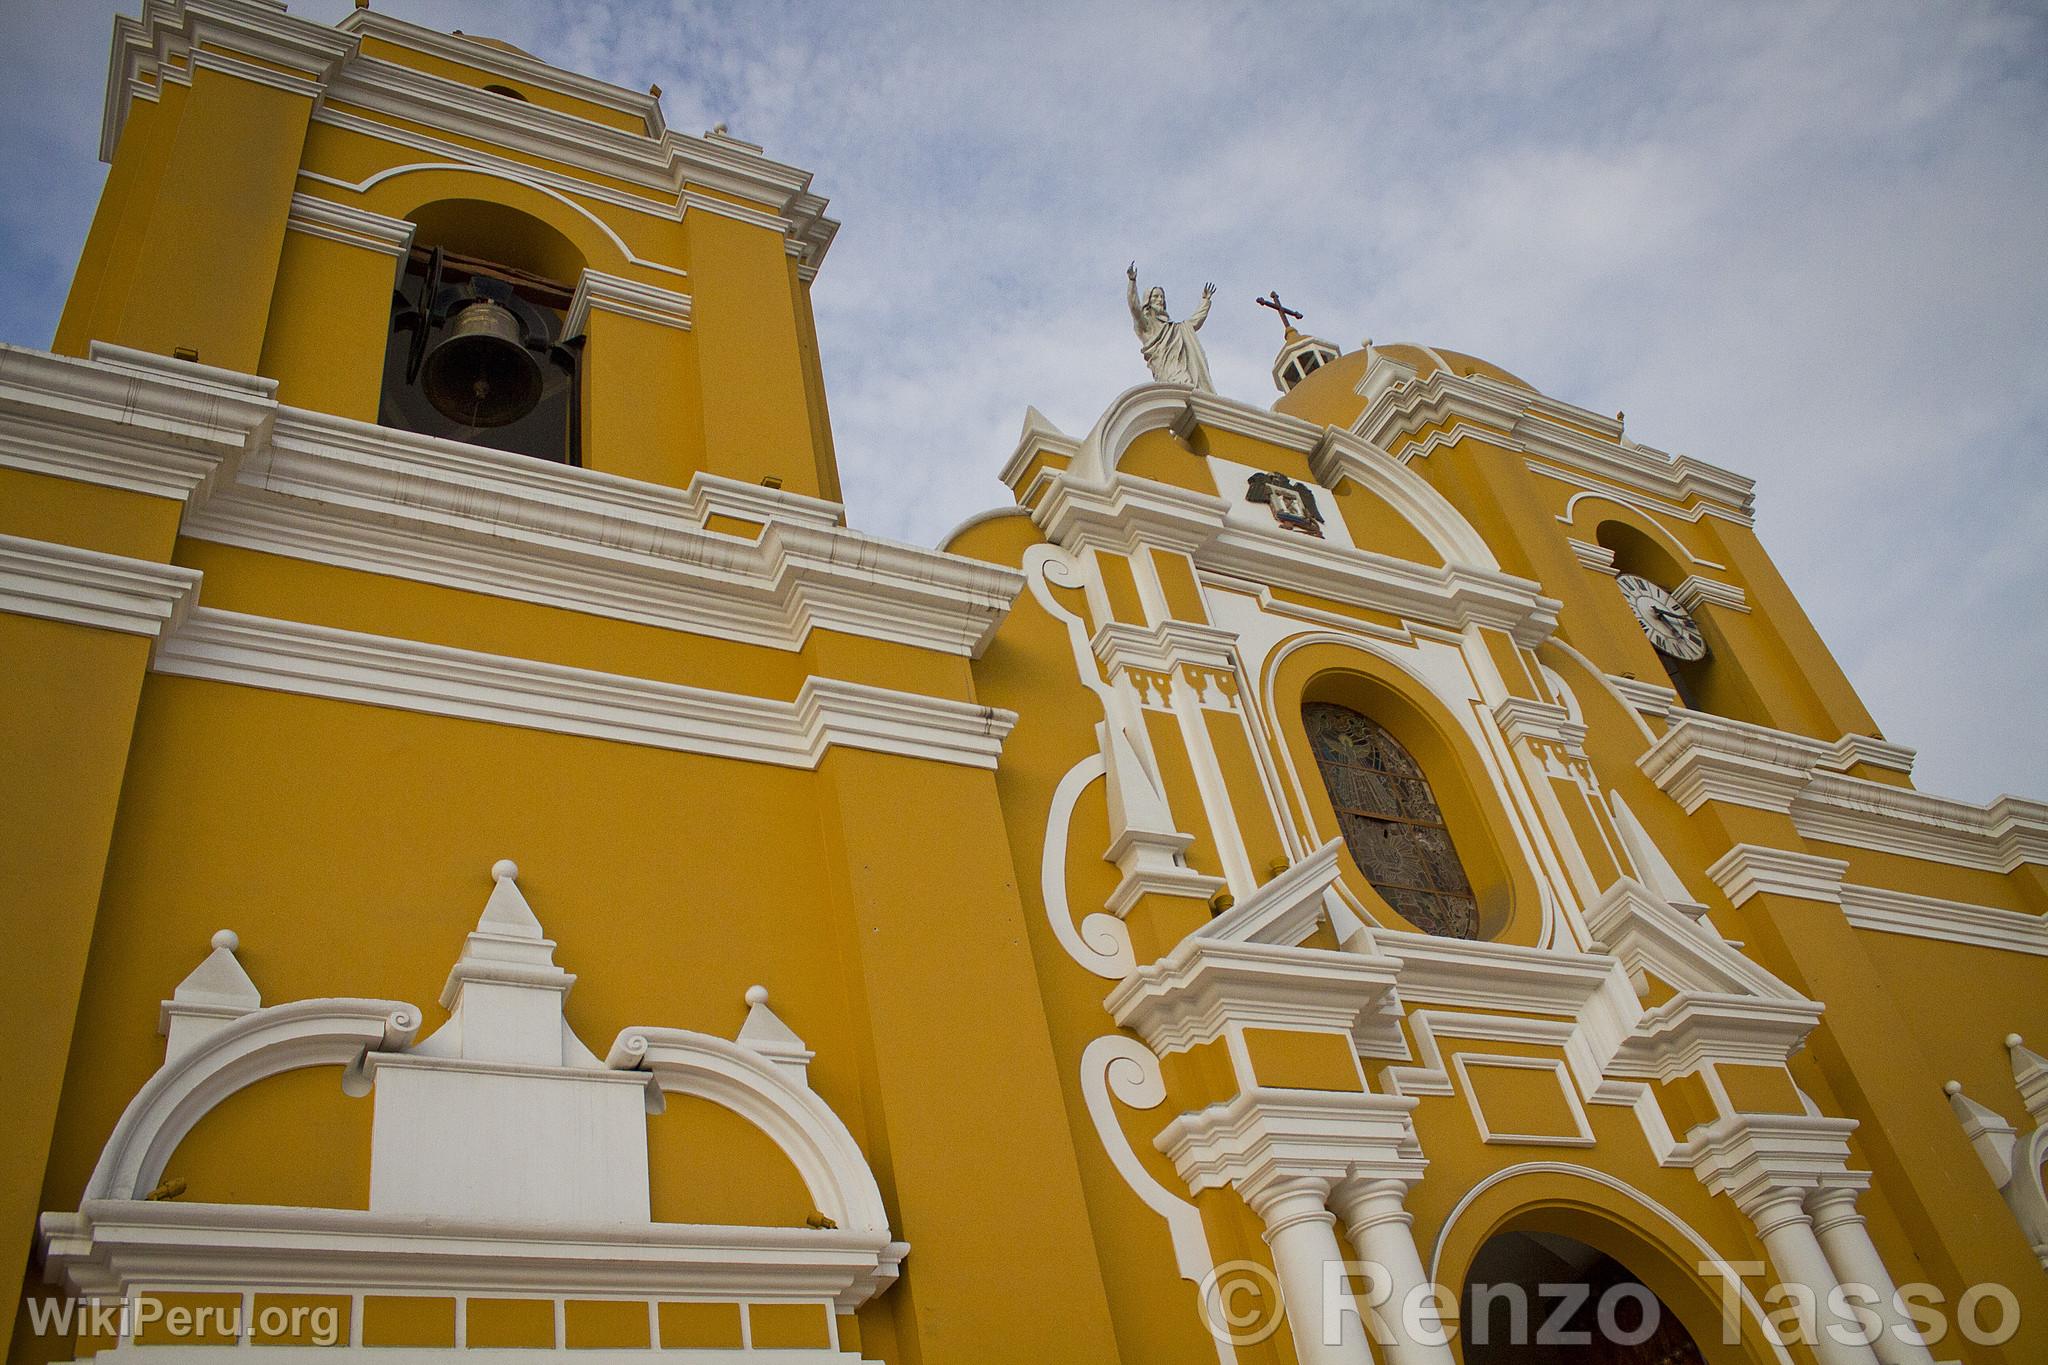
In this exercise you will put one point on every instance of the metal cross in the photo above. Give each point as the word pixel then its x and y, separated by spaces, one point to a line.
pixel 1272 301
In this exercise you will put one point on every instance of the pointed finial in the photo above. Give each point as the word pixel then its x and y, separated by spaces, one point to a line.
pixel 655 90
pixel 228 939
pixel 757 995
pixel 362 4
pixel 1952 1088
pixel 2013 1040
pixel 719 128
pixel 504 870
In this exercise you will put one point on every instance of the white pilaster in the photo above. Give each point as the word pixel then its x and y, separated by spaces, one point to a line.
pixel 1796 1255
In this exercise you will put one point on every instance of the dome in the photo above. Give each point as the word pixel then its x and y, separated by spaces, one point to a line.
pixel 1329 396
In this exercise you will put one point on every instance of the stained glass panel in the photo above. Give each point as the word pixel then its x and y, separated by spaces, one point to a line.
pixel 1391 821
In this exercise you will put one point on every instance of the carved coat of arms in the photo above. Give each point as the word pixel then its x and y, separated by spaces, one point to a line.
pixel 1292 504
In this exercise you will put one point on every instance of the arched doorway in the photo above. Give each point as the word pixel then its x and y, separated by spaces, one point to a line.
pixel 1533 1297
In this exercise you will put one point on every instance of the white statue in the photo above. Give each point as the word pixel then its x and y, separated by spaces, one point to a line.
pixel 1172 350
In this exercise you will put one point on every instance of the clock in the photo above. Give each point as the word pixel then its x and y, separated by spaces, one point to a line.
pixel 1670 627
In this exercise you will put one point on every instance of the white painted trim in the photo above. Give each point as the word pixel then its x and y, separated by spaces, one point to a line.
pixel 126 419
pixel 349 225
pixel 110 1248
pixel 1979 926
pixel 319 661
pixel 1118 1069
pixel 769 1096
pixel 239 1053
pixel 1099 943
pixel 1598 558
pixel 1748 870
pixel 630 298
pixel 58 582
pixel 1501 1061
pixel 1694 591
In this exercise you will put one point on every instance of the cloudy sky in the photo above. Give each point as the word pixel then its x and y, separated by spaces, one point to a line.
pixel 1806 241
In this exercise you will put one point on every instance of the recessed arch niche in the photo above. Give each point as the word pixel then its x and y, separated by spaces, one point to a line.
pixel 1508 902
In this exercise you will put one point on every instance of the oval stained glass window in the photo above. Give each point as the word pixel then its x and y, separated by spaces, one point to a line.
pixel 1391 822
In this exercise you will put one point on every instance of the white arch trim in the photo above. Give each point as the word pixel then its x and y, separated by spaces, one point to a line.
pixel 365 186
pixel 251 1048
pixel 1331 451
pixel 729 1074
pixel 1571 513
pixel 1671 1220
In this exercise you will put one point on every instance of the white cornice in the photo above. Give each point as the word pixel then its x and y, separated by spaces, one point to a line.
pixel 1163 648
pixel 1980 926
pixel 1598 558
pixel 1693 590
pixel 126 419
pixel 1758 1158
pixel 1702 758
pixel 328 65
pixel 1264 1137
pixel 1520 718
pixel 360 496
pixel 289 656
pixel 349 225
pixel 112 1247
pixel 85 587
pixel 1748 870
pixel 611 294
pixel 1203 988
pixel 1471 973
pixel 1545 428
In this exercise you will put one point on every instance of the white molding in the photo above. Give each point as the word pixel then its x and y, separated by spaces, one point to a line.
pixel 1461 1062
pixel 359 496
pixel 1203 989
pixel 110 1248
pixel 1694 591
pixel 1748 870
pixel 1166 647
pixel 1979 926
pixel 1535 425
pixel 351 226
pixel 329 65
pixel 1264 1137
pixel 319 661
pixel 1521 718
pixel 1598 558
pixel 128 419
pixel 1116 1069
pixel 629 298
pixel 58 582
pixel 773 1098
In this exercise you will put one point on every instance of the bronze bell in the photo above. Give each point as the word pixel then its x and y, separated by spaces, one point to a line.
pixel 481 374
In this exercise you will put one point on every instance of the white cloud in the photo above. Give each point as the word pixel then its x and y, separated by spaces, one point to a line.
pixel 1804 240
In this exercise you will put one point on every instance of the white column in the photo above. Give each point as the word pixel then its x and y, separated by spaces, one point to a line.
pixel 1310 1266
pixel 1845 1239
pixel 1796 1255
pixel 1383 1231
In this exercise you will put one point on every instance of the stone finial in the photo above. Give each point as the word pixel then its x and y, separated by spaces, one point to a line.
pixel 765 1033
pixel 212 994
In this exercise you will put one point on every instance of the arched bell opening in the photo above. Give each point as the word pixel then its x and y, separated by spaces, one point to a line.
pixel 478 350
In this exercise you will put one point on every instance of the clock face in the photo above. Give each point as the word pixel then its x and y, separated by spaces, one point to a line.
pixel 1670 627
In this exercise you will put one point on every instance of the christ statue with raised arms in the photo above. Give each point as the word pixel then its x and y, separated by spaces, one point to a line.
pixel 1172 350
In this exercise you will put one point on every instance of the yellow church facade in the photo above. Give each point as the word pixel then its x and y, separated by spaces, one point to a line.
pixel 495 863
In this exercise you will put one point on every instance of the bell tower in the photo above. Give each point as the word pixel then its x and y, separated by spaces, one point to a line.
pixel 443 234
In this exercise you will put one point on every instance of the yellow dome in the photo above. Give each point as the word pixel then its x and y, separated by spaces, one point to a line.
pixel 1329 396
